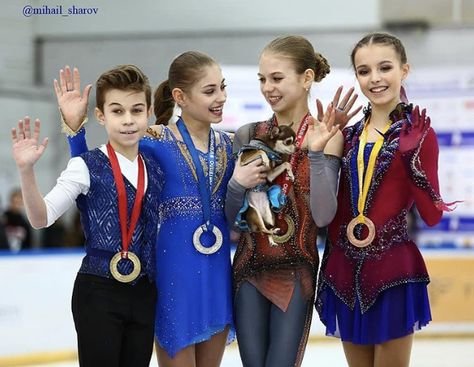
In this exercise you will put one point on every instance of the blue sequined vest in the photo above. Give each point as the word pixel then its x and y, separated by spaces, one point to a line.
pixel 100 218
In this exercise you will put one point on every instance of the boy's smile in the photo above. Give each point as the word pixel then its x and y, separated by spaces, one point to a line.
pixel 125 118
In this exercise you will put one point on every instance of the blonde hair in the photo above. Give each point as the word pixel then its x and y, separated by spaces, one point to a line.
pixel 301 52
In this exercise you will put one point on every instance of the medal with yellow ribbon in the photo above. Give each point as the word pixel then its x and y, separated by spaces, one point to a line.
pixel 364 181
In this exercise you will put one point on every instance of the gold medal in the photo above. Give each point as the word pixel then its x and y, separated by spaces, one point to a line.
pixel 350 231
pixel 114 267
pixel 126 233
pixel 200 247
pixel 289 231
pixel 364 185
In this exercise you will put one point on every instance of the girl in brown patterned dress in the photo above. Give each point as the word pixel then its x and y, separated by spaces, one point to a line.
pixel 275 285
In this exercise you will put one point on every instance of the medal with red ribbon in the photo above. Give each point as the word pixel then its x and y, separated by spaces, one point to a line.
pixel 126 233
pixel 287 182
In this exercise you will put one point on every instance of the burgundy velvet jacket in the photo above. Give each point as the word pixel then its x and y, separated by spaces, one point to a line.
pixel 398 182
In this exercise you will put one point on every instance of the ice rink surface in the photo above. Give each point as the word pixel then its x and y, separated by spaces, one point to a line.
pixel 427 352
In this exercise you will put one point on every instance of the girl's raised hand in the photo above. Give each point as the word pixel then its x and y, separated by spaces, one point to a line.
pixel 72 104
pixel 342 108
pixel 410 136
pixel 25 147
pixel 320 131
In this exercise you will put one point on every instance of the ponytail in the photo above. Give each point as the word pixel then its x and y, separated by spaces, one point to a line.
pixel 163 104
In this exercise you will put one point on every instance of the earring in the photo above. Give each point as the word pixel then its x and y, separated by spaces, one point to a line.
pixel 306 89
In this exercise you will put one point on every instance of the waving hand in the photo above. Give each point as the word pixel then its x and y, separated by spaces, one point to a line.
pixel 72 103
pixel 342 108
pixel 410 136
pixel 320 131
pixel 25 147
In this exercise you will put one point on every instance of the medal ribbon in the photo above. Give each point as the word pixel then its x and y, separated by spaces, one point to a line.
pixel 204 189
pixel 364 181
pixel 286 181
pixel 122 199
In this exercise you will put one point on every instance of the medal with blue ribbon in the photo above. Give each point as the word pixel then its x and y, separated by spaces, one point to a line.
pixel 205 189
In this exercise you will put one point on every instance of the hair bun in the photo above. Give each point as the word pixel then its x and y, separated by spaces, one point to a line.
pixel 322 67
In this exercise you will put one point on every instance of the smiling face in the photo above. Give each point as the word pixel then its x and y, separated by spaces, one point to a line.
pixel 380 73
pixel 204 100
pixel 125 118
pixel 282 87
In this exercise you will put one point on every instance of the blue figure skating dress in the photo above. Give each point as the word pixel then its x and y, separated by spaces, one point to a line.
pixel 194 290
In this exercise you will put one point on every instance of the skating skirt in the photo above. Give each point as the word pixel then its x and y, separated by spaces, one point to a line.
pixel 397 312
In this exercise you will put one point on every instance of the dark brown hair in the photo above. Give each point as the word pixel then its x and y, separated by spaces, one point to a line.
pixel 122 77
pixel 301 52
pixel 380 38
pixel 184 72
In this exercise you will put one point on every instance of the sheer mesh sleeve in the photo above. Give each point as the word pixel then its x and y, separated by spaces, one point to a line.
pixel 242 136
pixel 236 192
pixel 323 186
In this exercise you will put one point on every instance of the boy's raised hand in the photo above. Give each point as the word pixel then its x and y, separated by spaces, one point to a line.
pixel 73 105
pixel 321 131
pixel 25 147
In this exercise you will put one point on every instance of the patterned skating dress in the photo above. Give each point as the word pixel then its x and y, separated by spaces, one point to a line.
pixel 378 293
pixel 275 271
pixel 194 290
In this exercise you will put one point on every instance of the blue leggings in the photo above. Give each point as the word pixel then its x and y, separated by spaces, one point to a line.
pixel 267 336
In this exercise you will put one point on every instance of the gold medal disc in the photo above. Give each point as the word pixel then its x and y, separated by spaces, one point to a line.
pixel 289 231
pixel 129 277
pixel 350 232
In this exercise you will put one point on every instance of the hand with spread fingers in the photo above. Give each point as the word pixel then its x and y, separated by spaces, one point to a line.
pixel 321 130
pixel 342 108
pixel 411 135
pixel 72 103
pixel 25 147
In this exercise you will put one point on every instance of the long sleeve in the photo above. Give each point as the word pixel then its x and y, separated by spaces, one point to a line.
pixel 233 200
pixel 236 192
pixel 72 182
pixel 242 136
pixel 323 187
pixel 77 143
pixel 75 180
pixel 425 185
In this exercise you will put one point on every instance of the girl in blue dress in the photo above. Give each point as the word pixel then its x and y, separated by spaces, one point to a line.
pixel 194 307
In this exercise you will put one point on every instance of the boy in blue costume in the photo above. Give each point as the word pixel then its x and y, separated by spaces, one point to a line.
pixel 116 190
pixel 194 279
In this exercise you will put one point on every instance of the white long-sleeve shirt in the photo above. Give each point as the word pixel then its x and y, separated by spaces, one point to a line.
pixel 75 180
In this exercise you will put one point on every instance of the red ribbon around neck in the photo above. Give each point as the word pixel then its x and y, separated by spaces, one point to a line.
pixel 286 182
pixel 127 233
